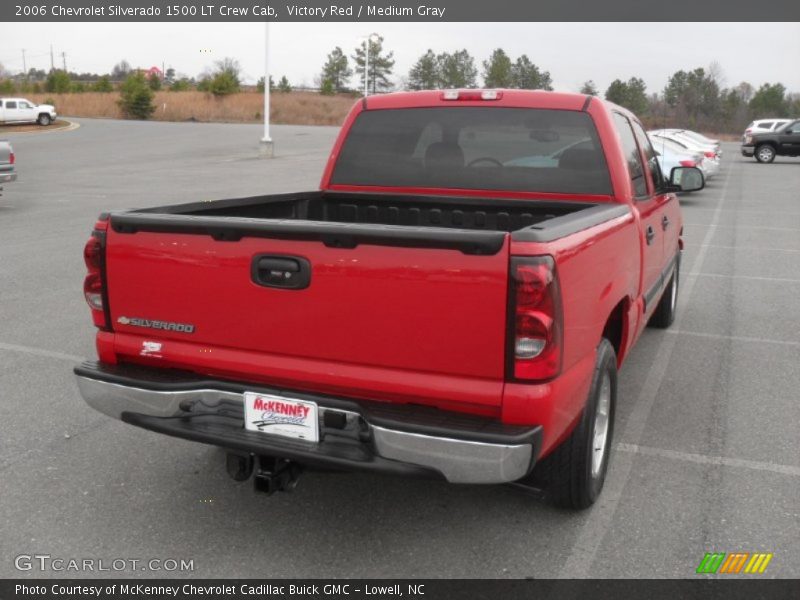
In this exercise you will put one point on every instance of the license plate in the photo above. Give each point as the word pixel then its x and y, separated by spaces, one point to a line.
pixel 278 415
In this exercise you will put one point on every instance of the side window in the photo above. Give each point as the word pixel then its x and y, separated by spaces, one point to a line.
pixel 650 155
pixel 767 125
pixel 24 105
pixel 10 104
pixel 632 156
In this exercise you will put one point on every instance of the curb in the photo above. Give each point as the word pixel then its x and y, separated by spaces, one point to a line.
pixel 71 127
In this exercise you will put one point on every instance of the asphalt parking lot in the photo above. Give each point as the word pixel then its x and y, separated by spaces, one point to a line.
pixel 707 453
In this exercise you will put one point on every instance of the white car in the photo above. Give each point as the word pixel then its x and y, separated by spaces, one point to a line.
pixel 693 135
pixel 763 126
pixel 21 110
pixel 707 141
pixel 705 160
pixel 711 150
pixel 711 153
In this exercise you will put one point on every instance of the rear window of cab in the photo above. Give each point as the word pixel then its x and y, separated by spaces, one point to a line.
pixel 490 148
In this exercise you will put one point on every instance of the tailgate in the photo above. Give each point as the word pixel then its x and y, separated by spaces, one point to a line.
pixel 430 319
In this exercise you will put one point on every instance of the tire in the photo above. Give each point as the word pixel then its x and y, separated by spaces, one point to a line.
pixel 44 120
pixel 574 473
pixel 664 314
pixel 765 153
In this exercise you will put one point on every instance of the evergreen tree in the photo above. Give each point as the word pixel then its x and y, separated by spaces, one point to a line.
pixel 326 88
pixel 770 101
pixel 497 72
pixel 154 81
pixel 136 97
pixel 630 94
pixel 424 75
pixel 526 76
pixel 58 82
pixel 589 88
pixel 223 80
pixel 457 70
pixel 284 86
pixel 337 70
pixel 381 65
pixel 103 85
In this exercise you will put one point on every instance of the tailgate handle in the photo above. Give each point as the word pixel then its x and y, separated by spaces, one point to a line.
pixel 287 272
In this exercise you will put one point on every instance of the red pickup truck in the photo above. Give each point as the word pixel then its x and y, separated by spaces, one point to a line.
pixel 454 301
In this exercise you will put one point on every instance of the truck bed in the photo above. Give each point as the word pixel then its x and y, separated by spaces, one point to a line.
pixel 474 225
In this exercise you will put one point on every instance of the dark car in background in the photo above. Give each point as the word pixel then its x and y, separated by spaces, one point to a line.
pixel 784 141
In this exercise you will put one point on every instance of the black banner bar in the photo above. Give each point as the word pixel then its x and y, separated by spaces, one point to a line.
pixel 702 588
pixel 401 10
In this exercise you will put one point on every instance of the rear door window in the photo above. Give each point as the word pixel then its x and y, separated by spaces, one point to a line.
pixel 11 104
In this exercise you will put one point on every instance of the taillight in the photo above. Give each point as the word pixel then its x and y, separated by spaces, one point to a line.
pixel 94 283
pixel 536 339
pixel 93 290
pixel 710 154
pixel 688 163
pixel 12 158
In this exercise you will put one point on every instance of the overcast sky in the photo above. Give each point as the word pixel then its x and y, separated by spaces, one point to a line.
pixel 572 52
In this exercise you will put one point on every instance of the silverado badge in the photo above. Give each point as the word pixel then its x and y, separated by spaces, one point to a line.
pixel 152 324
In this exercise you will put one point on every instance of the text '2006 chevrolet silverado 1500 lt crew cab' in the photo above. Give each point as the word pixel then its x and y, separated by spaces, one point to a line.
pixel 454 301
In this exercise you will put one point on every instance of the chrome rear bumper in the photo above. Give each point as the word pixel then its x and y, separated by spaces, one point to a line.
pixel 365 440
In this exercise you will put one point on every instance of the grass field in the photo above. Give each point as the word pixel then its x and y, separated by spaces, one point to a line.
pixel 294 108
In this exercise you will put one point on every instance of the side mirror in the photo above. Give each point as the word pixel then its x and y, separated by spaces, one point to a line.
pixel 789 131
pixel 686 179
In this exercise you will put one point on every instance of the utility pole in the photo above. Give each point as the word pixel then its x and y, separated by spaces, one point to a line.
pixel 52 63
pixel 267 147
pixel 64 60
pixel 24 64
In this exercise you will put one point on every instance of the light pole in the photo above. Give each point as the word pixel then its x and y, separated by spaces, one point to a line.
pixel 366 62
pixel 267 147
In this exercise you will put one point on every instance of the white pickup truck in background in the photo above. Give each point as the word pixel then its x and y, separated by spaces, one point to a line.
pixel 20 110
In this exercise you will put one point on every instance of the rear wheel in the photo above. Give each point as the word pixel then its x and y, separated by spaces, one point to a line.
pixel 765 153
pixel 44 119
pixel 574 473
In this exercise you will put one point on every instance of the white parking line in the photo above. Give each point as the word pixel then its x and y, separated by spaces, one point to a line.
pixel 749 248
pixel 751 277
pixel 735 338
pixel 595 529
pixel 766 227
pixel 703 459
pixel 761 211
pixel 40 352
